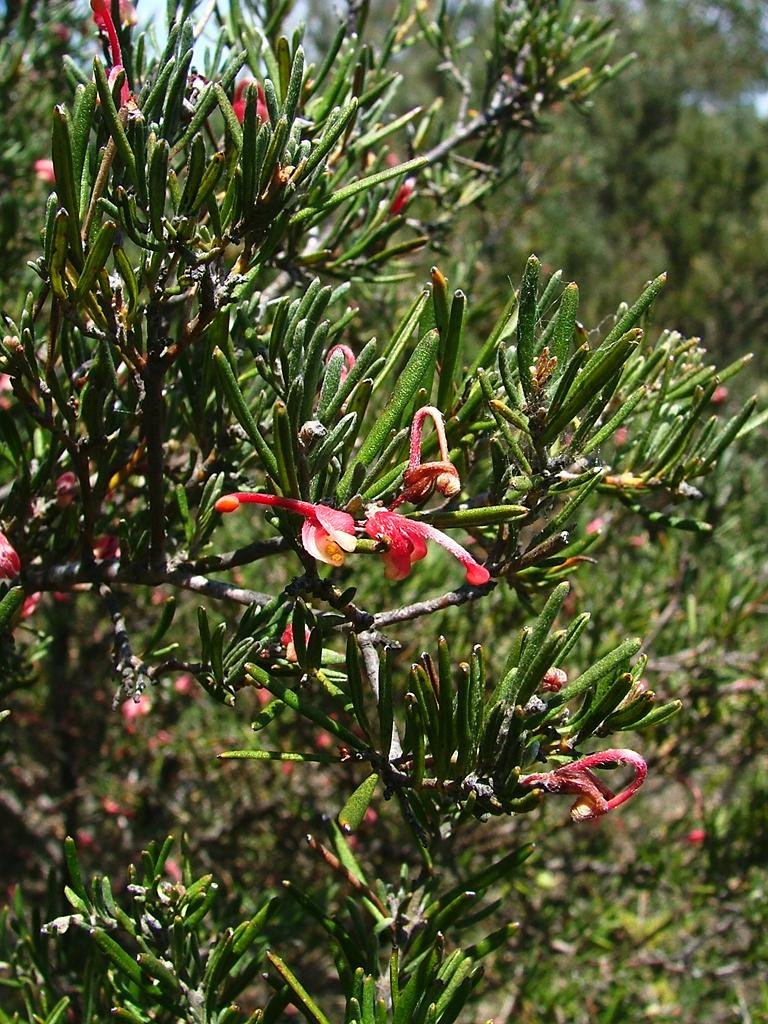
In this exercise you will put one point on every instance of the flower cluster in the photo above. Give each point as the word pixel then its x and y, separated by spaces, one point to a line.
pixel 329 534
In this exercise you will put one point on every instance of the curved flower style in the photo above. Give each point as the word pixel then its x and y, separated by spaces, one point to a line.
pixel 407 543
pixel 327 534
pixel 594 798
pixel 102 16
pixel 420 479
pixel 348 355
pixel 10 563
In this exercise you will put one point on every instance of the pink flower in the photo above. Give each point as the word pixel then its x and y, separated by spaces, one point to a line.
pixel 719 395
pixel 595 525
pixel 184 684
pixel 420 479
pixel 10 563
pixel 44 171
pixel 349 358
pixel 66 488
pixel 594 798
pixel 286 639
pixel 133 709
pixel 162 738
pixel 106 546
pixel 102 16
pixel 696 836
pixel 407 543
pixel 173 870
pixel 113 807
pixel 238 103
pixel 5 387
pixel 327 534
pixel 85 838
pixel 402 196
pixel 31 601
pixel 128 16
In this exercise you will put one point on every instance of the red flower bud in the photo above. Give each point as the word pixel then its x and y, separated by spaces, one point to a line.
pixel 402 196
pixel 43 169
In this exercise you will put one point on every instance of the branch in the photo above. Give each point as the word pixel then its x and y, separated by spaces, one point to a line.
pixel 70 574
pixel 499 108
pixel 129 669
pixel 152 415
pixel 371 669
pixel 242 556
pixel 435 604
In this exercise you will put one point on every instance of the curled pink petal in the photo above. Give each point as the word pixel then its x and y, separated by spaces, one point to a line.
pixel 594 798
pixel 407 543
pixel 328 534
pixel 339 525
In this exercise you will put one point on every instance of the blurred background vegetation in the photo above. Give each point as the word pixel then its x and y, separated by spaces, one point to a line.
pixel 661 914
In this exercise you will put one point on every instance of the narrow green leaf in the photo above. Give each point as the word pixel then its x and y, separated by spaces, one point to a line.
pixel 333 129
pixel 728 434
pixel 10 606
pixel 124 963
pixel 526 323
pixel 96 259
pixel 451 351
pixel 352 813
pixel 355 682
pixel 600 368
pixel 633 314
pixel 600 708
pixel 590 677
pixel 489 515
pixel 658 715
pixel 284 450
pixel 405 389
pixel 66 185
pixel 300 703
pixel 620 417
pixel 446 727
pixel 565 324
pixel 308 1006
pixel 292 91
pixel 355 188
pixel 114 124
pixel 243 415
pixel 230 118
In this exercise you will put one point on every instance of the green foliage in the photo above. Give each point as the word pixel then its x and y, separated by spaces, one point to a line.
pixel 224 314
